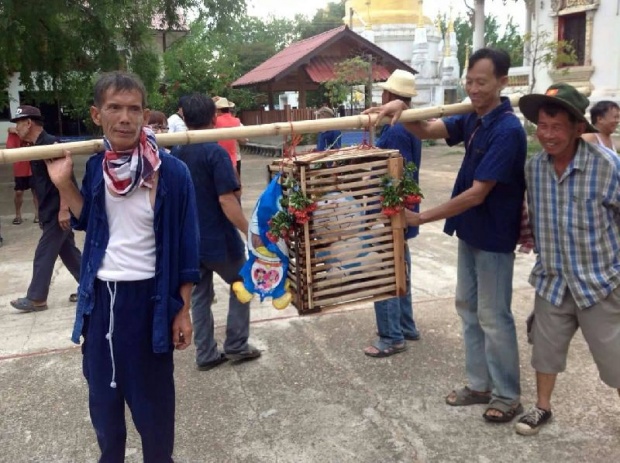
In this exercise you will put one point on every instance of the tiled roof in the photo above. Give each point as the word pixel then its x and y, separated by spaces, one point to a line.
pixel 286 58
pixel 321 69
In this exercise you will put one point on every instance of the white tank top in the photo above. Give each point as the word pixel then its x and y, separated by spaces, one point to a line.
pixel 130 255
pixel 600 142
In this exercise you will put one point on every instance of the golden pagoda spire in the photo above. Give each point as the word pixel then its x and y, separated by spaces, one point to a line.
pixel 421 14
pixel 447 46
pixel 466 66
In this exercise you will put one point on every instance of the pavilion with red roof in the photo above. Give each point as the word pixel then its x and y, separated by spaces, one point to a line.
pixel 303 65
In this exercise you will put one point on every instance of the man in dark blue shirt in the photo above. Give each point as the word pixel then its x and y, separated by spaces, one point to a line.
pixel 395 322
pixel 328 139
pixel 485 212
pixel 221 248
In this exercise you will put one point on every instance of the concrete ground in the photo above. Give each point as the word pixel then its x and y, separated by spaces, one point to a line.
pixel 313 396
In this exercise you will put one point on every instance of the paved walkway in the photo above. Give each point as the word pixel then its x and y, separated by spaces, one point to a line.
pixel 313 396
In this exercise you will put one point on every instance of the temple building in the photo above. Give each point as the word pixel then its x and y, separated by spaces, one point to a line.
pixel 400 28
pixel 593 26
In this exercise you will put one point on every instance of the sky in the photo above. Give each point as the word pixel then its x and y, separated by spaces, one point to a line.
pixel 288 9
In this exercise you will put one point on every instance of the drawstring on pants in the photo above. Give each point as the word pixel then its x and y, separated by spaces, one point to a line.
pixel 108 336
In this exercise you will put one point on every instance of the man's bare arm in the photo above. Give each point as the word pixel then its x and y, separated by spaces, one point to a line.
pixel 471 197
pixel 61 173
pixel 424 130
pixel 234 213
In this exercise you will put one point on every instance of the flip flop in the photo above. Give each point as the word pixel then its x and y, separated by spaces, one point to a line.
pixel 508 411
pixel 385 350
pixel 17 221
pixel 26 305
pixel 465 396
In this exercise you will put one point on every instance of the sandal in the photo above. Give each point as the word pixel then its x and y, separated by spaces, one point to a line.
pixel 73 297
pixel 213 363
pixel 26 305
pixel 465 396
pixel 384 350
pixel 508 411
pixel 17 221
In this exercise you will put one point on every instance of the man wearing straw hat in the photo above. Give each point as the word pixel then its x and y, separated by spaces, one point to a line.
pixel 138 208
pixel 485 213
pixel 395 321
pixel 574 205
pixel 224 120
pixel 57 239
pixel 327 139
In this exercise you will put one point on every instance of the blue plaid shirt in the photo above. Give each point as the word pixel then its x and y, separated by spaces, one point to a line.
pixel 576 224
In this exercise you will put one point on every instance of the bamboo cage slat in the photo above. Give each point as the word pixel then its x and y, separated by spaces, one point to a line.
pixel 368 239
pixel 342 280
pixel 201 136
pixel 320 269
pixel 319 181
pixel 360 295
pixel 352 254
pixel 352 287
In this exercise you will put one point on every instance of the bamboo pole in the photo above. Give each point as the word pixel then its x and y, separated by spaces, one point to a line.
pixel 31 153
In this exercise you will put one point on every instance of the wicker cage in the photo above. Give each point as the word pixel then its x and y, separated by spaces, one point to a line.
pixel 349 252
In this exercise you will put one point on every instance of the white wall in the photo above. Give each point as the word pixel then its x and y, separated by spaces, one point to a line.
pixel 14 88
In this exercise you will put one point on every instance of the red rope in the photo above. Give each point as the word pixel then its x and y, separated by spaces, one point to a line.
pixel 366 137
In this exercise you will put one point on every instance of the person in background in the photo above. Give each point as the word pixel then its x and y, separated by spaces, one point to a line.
pixel 225 119
pixel 221 249
pixel 175 122
pixel 395 321
pixel 57 239
pixel 138 209
pixel 158 122
pixel 605 116
pixel 328 139
pixel 485 213
pixel 22 174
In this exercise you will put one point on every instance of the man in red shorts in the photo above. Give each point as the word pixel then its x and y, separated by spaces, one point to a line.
pixel 23 179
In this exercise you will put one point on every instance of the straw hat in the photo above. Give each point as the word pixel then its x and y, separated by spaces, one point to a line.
pixel 561 94
pixel 324 112
pixel 401 83
pixel 222 103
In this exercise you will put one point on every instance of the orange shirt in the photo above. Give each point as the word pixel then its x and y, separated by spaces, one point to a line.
pixel 226 120
pixel 21 168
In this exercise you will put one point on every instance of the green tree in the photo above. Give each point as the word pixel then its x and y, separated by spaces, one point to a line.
pixel 544 50
pixel 209 60
pixel 348 73
pixel 510 40
pixel 58 45
pixel 323 20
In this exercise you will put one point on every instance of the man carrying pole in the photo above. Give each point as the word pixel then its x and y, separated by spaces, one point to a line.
pixel 138 208
pixel 485 213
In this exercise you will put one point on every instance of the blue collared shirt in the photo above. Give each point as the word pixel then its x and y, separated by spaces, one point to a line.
pixel 176 240
pixel 213 175
pixel 495 150
pixel 410 147
pixel 576 225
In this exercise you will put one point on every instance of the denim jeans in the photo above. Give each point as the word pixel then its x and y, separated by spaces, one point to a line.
pixel 238 322
pixel 483 298
pixel 395 315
